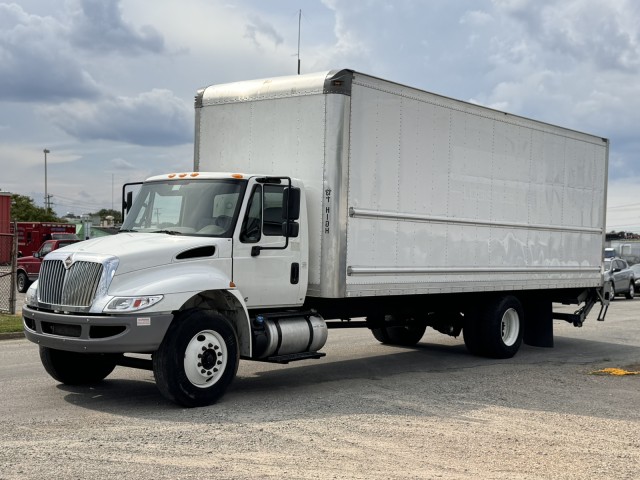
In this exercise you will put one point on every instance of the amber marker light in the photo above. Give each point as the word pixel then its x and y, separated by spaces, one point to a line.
pixel 182 175
pixel 195 174
pixel 232 285
pixel 172 175
pixel 236 175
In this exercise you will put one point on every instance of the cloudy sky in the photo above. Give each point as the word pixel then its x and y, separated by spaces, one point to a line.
pixel 108 85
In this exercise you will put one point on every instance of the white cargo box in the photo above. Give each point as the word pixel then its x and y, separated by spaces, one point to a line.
pixel 409 192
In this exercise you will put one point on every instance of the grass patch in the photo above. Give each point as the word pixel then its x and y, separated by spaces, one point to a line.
pixel 10 323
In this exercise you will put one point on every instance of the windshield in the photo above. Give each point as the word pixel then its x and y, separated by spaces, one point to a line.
pixel 187 207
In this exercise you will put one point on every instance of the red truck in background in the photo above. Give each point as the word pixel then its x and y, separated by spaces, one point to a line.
pixel 28 268
pixel 31 235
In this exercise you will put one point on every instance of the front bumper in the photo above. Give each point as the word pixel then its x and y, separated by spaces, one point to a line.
pixel 96 333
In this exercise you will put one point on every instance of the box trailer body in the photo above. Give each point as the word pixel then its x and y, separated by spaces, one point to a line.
pixel 409 192
pixel 331 200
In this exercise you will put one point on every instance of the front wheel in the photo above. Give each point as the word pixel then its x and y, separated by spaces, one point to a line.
pixel 73 368
pixel 22 282
pixel 495 332
pixel 197 360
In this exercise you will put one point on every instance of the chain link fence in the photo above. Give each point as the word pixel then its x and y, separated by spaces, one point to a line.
pixel 8 256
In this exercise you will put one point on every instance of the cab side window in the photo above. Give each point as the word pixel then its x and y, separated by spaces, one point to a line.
pixel 273 210
pixel 252 224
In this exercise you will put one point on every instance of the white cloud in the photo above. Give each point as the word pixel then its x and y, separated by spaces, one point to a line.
pixel 623 205
pixel 112 82
pixel 257 30
pixel 122 164
pixel 36 64
pixel 152 118
pixel 97 25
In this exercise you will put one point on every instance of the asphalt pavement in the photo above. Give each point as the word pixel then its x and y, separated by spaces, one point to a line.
pixel 364 411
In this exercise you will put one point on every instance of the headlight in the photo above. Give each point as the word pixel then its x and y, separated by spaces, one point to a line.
pixel 31 297
pixel 131 304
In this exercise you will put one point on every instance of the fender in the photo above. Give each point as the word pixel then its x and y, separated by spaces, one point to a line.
pixel 203 285
pixel 177 282
pixel 229 303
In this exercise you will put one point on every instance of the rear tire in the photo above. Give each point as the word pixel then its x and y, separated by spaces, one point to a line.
pixel 404 335
pixel 73 368
pixel 496 332
pixel 631 292
pixel 197 360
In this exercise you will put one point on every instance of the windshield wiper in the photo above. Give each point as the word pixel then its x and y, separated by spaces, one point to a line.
pixel 124 231
pixel 168 232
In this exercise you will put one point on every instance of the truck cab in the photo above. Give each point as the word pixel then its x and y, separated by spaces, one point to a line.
pixel 236 219
pixel 224 254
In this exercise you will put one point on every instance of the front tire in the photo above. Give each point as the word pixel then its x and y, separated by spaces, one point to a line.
pixel 497 331
pixel 406 335
pixel 197 360
pixel 22 282
pixel 73 368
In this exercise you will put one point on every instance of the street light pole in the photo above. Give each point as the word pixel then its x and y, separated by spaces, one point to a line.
pixel 46 196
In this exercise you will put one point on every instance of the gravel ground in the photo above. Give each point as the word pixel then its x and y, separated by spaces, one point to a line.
pixel 365 411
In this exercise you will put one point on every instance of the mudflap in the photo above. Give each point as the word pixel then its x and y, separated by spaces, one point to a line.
pixel 538 322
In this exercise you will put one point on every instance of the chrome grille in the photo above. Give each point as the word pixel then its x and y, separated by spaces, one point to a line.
pixel 74 287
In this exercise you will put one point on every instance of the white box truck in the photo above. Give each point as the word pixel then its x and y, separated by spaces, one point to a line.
pixel 331 200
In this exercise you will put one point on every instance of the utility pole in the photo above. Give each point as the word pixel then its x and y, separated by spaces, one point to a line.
pixel 46 195
pixel 299 22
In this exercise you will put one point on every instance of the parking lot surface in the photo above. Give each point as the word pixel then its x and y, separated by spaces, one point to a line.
pixel 365 411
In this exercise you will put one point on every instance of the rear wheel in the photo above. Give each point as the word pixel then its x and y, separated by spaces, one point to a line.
pixel 407 334
pixel 496 331
pixel 197 359
pixel 73 368
pixel 631 292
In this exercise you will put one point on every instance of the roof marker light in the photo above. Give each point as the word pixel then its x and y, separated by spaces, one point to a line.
pixel 172 175
pixel 182 175
pixel 237 175
pixel 195 174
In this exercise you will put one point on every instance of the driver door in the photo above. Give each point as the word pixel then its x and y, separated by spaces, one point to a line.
pixel 270 278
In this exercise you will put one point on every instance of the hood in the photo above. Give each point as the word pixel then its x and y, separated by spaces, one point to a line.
pixel 28 259
pixel 137 251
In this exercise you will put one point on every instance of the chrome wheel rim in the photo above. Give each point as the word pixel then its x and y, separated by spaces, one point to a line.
pixel 205 358
pixel 510 327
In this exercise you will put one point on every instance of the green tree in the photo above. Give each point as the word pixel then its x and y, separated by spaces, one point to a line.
pixel 24 210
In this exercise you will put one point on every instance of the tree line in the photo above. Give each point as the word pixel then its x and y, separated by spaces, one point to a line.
pixel 23 209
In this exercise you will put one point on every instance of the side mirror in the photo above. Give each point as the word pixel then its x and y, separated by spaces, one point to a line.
pixel 127 197
pixel 291 203
pixel 36 254
pixel 128 202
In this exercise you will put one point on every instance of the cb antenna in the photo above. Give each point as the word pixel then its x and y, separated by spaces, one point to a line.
pixel 299 22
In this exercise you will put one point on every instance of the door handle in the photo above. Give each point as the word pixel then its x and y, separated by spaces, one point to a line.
pixel 295 273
